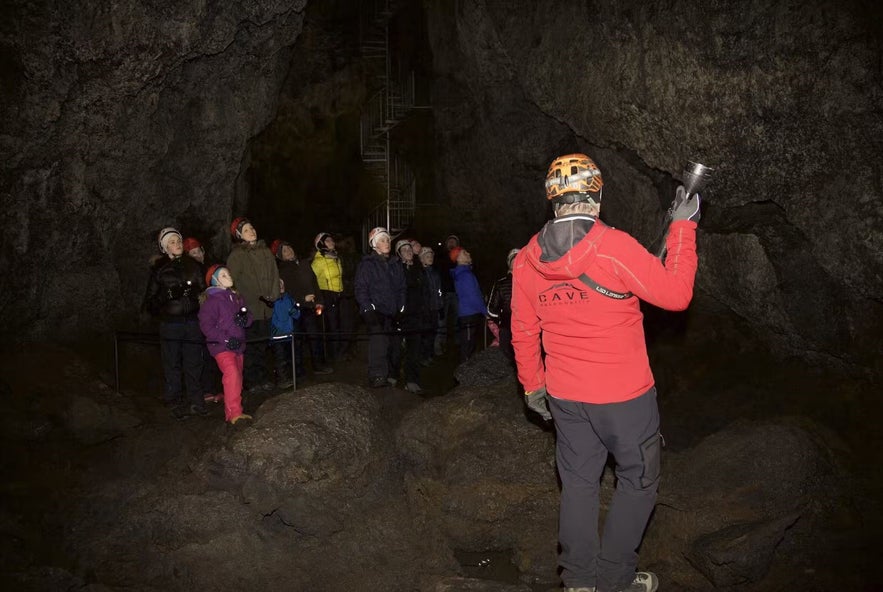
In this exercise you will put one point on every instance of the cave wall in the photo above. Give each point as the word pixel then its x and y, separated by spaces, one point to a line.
pixel 117 120
pixel 783 99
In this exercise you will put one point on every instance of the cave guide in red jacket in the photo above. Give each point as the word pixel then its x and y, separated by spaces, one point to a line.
pixel 576 291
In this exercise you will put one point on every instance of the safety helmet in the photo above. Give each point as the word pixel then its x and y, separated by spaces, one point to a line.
pixel 237 224
pixel 164 234
pixel 319 242
pixel 572 173
pixel 375 234
pixel 402 243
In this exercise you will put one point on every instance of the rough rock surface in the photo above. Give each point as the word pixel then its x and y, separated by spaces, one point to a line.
pixel 741 494
pixel 332 488
pixel 477 468
pixel 119 120
pixel 485 368
pixel 783 99
pixel 305 497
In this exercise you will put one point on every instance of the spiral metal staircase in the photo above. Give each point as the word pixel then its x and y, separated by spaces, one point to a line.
pixel 387 108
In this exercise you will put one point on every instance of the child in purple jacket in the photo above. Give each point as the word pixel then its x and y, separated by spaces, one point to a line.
pixel 223 318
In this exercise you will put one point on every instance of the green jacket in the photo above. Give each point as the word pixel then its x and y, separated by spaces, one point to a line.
pixel 255 274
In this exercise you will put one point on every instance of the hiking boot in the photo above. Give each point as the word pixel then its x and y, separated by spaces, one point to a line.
pixel 377 382
pixel 392 381
pixel 238 417
pixel 210 398
pixel 285 383
pixel 323 370
pixel 413 387
pixel 179 412
pixel 644 581
pixel 199 410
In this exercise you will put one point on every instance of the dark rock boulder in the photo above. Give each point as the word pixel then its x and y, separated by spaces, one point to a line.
pixel 485 368
pixel 483 474
pixel 731 502
pixel 305 497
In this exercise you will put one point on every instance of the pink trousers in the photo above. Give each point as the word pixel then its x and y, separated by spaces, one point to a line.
pixel 230 364
pixel 495 331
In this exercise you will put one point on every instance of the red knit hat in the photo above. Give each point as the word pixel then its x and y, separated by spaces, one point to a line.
pixel 274 246
pixel 191 243
pixel 210 272
pixel 454 253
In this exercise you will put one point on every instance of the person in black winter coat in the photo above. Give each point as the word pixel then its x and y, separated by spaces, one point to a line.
pixel 434 303
pixel 380 293
pixel 173 290
pixel 499 307
pixel 302 286
pixel 449 312
pixel 412 321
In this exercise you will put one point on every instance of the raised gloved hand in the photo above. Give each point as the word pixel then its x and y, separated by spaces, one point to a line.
pixel 319 309
pixel 241 317
pixel 683 208
pixel 233 344
pixel 267 301
pixel 536 401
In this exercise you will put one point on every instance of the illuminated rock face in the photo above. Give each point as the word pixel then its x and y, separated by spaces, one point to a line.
pixel 791 236
pixel 117 123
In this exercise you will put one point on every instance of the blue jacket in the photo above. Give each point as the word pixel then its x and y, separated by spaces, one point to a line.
pixel 469 298
pixel 380 284
pixel 285 312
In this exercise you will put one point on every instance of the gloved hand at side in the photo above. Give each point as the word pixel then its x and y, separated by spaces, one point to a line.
pixel 683 208
pixel 536 401
pixel 233 344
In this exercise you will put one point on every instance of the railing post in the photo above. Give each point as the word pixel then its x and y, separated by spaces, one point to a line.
pixel 116 362
pixel 293 365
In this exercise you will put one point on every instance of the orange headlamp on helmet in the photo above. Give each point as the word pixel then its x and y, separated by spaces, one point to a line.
pixel 572 173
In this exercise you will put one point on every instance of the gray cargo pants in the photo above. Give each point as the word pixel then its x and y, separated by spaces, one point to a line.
pixel 585 433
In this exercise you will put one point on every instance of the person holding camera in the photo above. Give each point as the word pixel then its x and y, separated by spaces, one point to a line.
pixel 172 296
pixel 223 318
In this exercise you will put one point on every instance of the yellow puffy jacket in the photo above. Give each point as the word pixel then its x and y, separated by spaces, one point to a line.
pixel 328 273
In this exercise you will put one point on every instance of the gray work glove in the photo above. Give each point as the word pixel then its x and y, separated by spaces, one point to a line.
pixel 683 208
pixel 536 401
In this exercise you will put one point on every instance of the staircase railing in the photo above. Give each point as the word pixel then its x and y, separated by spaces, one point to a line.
pixel 382 112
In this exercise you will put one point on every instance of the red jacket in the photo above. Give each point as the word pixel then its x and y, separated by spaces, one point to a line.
pixel 594 344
